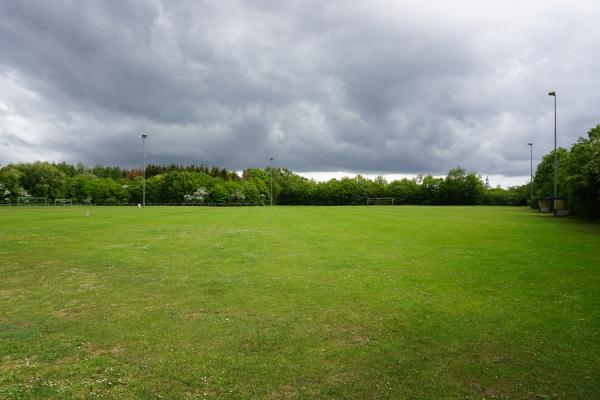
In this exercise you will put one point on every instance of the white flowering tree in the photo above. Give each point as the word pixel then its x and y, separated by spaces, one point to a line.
pixel 23 193
pixel 4 193
pixel 237 196
pixel 198 196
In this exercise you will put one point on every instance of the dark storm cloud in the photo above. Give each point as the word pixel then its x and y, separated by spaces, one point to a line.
pixel 383 87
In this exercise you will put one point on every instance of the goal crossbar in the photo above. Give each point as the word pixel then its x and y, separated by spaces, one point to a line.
pixel 63 202
pixel 32 201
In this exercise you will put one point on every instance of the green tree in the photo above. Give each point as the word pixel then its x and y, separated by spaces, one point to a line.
pixel 378 187
pixel 460 187
pixel 544 174
pixel 43 179
pixel 578 175
pixel 404 191
pixel 430 190
pixel 10 177
pixel 219 193
pixel 581 175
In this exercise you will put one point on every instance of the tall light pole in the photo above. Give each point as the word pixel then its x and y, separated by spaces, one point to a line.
pixel 144 136
pixel 271 160
pixel 530 170
pixel 553 94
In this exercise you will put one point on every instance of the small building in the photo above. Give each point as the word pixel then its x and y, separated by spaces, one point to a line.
pixel 558 205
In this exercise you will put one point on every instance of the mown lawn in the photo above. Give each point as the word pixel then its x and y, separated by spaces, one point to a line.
pixel 298 302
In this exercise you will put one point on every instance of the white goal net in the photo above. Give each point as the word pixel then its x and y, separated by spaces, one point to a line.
pixel 380 201
pixel 63 202
pixel 32 201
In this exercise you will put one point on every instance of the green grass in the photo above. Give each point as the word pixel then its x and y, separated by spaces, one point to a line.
pixel 298 302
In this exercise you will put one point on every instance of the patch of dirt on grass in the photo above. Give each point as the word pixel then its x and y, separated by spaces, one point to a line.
pixel 10 293
pixel 359 339
pixel 72 310
pixel 283 392
pixel 89 286
pixel 66 313
pixel 97 351
pixel 192 316
pixel 502 389
pixel 9 364
pixel 81 279
pixel 20 324
pixel 348 334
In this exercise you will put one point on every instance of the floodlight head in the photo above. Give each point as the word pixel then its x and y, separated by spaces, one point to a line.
pixel 552 94
pixel 144 136
pixel 529 144
pixel 271 158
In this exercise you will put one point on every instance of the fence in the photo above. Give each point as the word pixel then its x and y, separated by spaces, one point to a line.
pixel 183 204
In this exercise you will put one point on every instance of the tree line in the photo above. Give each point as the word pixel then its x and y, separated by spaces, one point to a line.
pixel 578 178
pixel 578 175
pixel 102 185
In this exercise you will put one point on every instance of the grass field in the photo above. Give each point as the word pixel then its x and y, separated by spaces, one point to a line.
pixel 298 302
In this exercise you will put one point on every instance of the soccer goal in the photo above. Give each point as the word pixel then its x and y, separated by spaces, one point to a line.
pixel 63 202
pixel 32 201
pixel 380 201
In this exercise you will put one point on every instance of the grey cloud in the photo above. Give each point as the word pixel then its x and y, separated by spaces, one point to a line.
pixel 388 87
pixel 11 140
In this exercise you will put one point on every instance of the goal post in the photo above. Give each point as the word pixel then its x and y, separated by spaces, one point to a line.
pixel 380 201
pixel 32 201
pixel 63 202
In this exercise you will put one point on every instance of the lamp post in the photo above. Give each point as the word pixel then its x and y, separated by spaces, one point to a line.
pixel 553 94
pixel 271 179
pixel 144 136
pixel 530 170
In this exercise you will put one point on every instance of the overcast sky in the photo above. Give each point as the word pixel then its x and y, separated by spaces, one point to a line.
pixel 386 87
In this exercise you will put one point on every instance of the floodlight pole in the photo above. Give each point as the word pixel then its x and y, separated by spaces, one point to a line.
pixel 553 94
pixel 530 170
pixel 144 136
pixel 271 179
